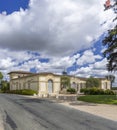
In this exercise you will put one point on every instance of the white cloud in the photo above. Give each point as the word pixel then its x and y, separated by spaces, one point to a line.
pixel 98 68
pixel 100 65
pixel 52 27
pixel 6 63
pixel 88 57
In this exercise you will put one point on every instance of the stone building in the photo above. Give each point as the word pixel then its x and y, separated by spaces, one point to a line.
pixel 47 83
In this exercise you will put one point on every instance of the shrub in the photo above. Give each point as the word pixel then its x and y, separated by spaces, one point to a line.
pixel 5 86
pixel 96 91
pixel 28 92
pixel 23 92
pixel 109 92
pixel 114 88
pixel 71 90
pixel 84 90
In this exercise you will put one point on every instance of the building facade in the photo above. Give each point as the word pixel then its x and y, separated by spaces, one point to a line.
pixel 47 83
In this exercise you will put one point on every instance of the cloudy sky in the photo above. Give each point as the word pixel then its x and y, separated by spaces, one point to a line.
pixel 53 35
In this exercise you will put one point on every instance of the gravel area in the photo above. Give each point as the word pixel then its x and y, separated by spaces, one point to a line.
pixel 102 110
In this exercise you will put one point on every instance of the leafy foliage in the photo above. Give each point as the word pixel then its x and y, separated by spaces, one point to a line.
pixel 23 92
pixel 65 81
pixel 71 90
pixel 110 41
pixel 96 91
pixel 114 88
pixel 5 86
pixel 92 82
pixel 1 75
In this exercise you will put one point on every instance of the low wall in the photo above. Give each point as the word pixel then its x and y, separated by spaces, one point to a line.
pixel 71 97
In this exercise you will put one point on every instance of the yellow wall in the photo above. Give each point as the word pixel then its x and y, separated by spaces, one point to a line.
pixel 39 83
pixel 43 84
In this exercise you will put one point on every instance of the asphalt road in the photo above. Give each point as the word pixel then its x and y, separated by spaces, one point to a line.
pixel 24 113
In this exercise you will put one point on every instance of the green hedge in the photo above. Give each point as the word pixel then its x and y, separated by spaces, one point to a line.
pixel 96 91
pixel 23 92
pixel 114 88
pixel 71 90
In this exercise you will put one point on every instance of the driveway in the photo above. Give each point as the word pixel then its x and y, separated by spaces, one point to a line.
pixel 29 113
pixel 102 110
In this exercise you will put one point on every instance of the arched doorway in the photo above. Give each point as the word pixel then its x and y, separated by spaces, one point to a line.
pixel 74 85
pixel 50 86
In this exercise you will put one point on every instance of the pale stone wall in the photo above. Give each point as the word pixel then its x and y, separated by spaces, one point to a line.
pixel 74 79
pixel 31 83
pixel 17 75
pixel 42 88
pixel 24 83
pixel 57 84
pixel 105 84
pixel 82 84
pixel 43 84
pixel 77 83
pixel 57 87
pixel 40 83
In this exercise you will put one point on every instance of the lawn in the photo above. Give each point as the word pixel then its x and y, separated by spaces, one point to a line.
pixel 101 99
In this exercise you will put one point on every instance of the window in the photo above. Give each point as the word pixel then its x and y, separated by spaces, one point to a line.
pixel 50 86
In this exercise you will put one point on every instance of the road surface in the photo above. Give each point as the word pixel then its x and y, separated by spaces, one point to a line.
pixel 25 113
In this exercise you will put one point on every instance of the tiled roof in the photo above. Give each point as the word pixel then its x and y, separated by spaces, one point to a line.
pixel 47 73
pixel 20 72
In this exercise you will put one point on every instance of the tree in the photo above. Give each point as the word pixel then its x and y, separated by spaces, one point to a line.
pixel 111 78
pixel 5 86
pixel 1 77
pixel 65 81
pixel 92 82
pixel 110 41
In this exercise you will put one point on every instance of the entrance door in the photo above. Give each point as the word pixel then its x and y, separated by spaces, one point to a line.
pixel 50 86
pixel 74 85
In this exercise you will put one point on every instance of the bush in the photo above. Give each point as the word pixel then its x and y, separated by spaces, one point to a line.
pixel 5 86
pixel 28 92
pixel 23 92
pixel 109 92
pixel 85 91
pixel 96 91
pixel 114 88
pixel 71 90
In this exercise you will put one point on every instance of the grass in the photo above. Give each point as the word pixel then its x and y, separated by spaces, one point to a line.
pixel 101 99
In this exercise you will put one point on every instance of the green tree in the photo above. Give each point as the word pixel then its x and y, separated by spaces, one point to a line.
pixel 1 77
pixel 5 86
pixel 92 82
pixel 111 78
pixel 110 41
pixel 65 81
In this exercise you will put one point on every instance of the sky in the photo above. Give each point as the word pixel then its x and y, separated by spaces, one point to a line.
pixel 53 36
